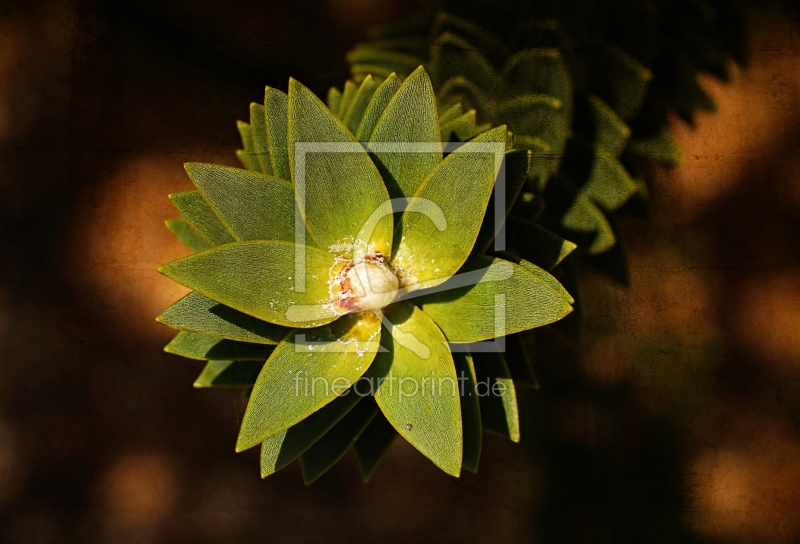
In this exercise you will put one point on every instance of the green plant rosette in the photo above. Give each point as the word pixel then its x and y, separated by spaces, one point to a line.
pixel 340 283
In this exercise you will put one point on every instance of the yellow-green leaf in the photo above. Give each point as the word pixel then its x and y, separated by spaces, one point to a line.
pixel 258 129
pixel 338 187
pixel 505 298
pixel 358 107
pixel 198 313
pixel 260 279
pixel 252 206
pixel 410 118
pixel 419 390
pixel 349 92
pixel 186 234
pixel 459 188
pixel 276 105
pixel 376 107
pixel 307 371
pixel 201 217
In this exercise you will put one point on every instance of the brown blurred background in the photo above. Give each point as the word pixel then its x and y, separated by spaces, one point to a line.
pixel 677 419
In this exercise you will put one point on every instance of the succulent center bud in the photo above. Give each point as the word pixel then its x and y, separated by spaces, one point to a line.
pixel 373 284
pixel 366 284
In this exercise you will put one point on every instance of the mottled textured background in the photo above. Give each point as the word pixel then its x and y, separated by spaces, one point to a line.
pixel 677 419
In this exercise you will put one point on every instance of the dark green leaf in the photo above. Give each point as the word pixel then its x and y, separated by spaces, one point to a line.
pixel 199 346
pixel 198 313
pixel 186 234
pixel 283 448
pixel 373 444
pixel 498 397
pixel 325 453
pixel 200 216
pixel 229 374
pixel 358 107
pixel 470 410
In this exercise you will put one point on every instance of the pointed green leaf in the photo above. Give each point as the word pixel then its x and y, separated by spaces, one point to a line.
pixel 432 252
pixel 584 217
pixel 373 444
pixel 376 107
pixel 539 245
pixel 334 100
pixel 419 391
pixel 622 78
pixel 498 397
pixel 247 156
pixel 475 34
pixel 462 128
pixel 506 298
pixel 389 60
pixel 517 164
pixel 610 185
pixel 453 112
pixel 360 71
pixel 307 371
pixel 229 374
pixel 327 451
pixel 201 217
pixel 536 115
pixel 470 410
pixel 547 278
pixel 246 160
pixel 520 356
pixel 357 109
pixel 286 446
pixel 453 56
pixel 661 147
pixel 611 132
pixel 410 117
pixel 199 346
pixel 259 278
pixel 252 206
pixel 461 90
pixel 536 71
pixel 349 93
pixel 198 313
pixel 186 234
pixel 276 105
pixel 338 190
pixel 258 129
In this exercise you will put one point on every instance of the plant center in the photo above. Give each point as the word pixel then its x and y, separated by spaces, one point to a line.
pixel 367 284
